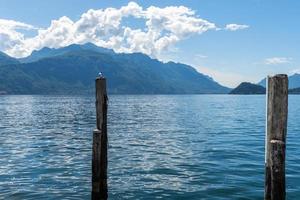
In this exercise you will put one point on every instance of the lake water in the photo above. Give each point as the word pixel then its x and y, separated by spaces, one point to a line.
pixel 160 147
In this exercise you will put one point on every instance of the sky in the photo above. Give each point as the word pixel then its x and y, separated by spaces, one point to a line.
pixel 230 40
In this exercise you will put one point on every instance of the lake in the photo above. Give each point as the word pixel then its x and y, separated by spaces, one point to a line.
pixel 160 147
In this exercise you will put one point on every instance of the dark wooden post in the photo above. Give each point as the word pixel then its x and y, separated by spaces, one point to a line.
pixel 99 160
pixel 276 130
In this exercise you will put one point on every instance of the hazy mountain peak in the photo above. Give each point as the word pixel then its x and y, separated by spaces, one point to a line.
pixel 47 52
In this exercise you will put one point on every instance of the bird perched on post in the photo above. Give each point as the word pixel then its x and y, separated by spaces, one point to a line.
pixel 100 75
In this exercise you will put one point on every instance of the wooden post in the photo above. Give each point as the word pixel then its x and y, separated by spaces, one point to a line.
pixel 276 130
pixel 99 160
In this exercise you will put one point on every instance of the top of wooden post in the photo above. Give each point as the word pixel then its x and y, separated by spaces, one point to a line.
pixel 277 84
pixel 101 101
pixel 277 107
pixel 100 85
pixel 278 76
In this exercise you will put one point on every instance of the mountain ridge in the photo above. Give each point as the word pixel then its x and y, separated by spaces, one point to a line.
pixel 248 88
pixel 72 70
pixel 47 52
pixel 6 59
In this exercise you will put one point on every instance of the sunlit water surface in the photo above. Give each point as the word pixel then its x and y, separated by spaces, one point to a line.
pixel 160 147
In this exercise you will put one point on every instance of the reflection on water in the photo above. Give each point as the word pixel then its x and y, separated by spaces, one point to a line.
pixel 160 147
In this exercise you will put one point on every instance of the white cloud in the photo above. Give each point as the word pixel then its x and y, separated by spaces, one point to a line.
pixel 200 56
pixel 10 35
pixel 277 60
pixel 235 27
pixel 13 25
pixel 163 28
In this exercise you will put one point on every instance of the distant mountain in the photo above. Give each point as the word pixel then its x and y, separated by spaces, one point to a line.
pixel 294 81
pixel 51 52
pixel 72 70
pixel 248 88
pixel 6 60
pixel 294 91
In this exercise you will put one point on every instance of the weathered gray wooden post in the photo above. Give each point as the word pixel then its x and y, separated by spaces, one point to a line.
pixel 276 130
pixel 99 160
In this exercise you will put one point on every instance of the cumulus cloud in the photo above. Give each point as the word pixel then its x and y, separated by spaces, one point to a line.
pixel 235 27
pixel 10 35
pixel 277 60
pixel 162 29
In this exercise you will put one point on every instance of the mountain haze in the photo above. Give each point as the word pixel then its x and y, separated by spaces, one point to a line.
pixel 72 70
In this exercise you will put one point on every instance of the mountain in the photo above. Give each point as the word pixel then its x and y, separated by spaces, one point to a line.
pixel 73 69
pixel 294 91
pixel 294 81
pixel 6 60
pixel 50 52
pixel 248 88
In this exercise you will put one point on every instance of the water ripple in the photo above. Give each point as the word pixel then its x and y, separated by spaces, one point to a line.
pixel 160 147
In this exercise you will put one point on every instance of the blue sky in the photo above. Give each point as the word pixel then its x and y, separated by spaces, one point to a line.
pixel 268 43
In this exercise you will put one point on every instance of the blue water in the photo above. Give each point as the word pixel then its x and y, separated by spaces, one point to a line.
pixel 160 147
